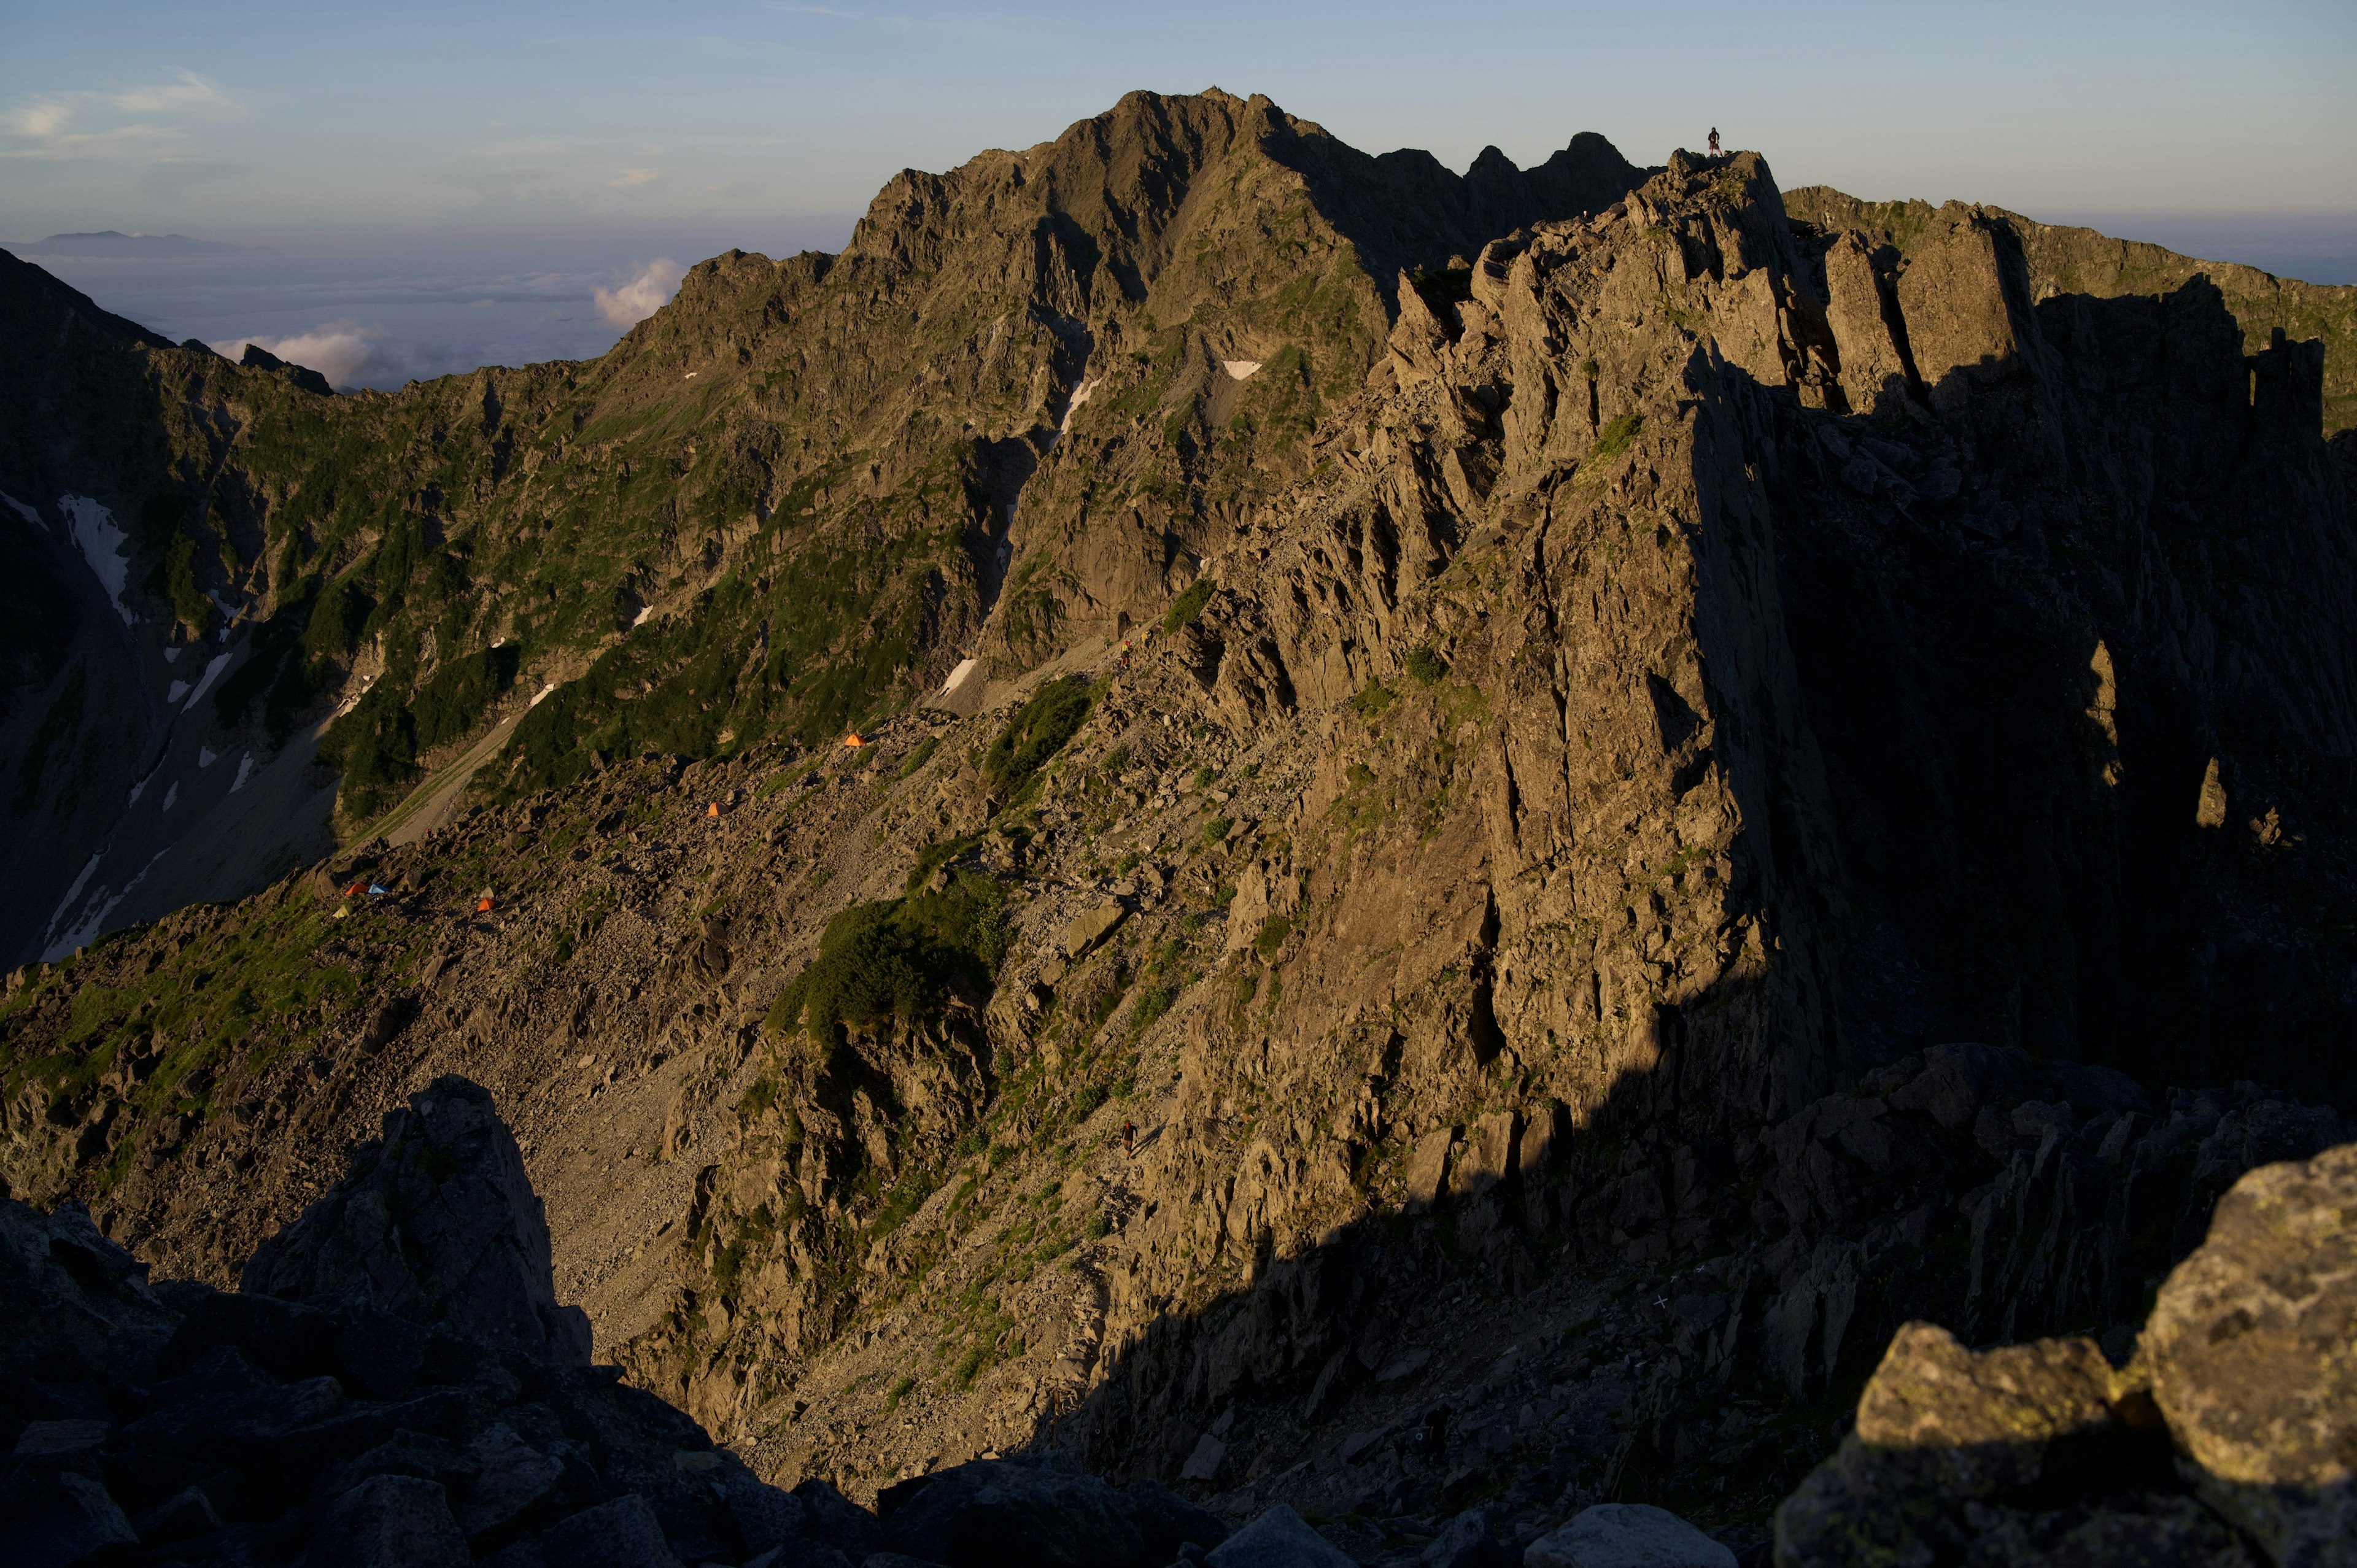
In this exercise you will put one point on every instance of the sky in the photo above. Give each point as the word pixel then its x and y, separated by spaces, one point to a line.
pixel 423 186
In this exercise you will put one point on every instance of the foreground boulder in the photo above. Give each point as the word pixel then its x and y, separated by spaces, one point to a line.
pixel 2230 1439
pixel 2252 1349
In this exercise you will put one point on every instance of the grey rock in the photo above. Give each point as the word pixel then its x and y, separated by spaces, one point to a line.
pixel 838 1521
pixel 185 1514
pixel 1167 1522
pixel 801 1552
pixel 219 1424
pixel 1469 1541
pixel 510 1477
pixel 764 1515
pixel 623 1533
pixel 1277 1539
pixel 1627 1535
pixel 1203 1461
pixel 48 1521
pixel 390 1522
pixel 1032 1509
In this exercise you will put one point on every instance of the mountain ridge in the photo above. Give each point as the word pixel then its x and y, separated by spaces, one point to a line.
pixel 1593 840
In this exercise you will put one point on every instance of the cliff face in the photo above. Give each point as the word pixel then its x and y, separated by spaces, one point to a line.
pixel 1528 830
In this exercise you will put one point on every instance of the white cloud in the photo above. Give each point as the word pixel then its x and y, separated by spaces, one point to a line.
pixel 37 120
pixel 191 94
pixel 43 120
pixel 345 352
pixel 630 179
pixel 642 296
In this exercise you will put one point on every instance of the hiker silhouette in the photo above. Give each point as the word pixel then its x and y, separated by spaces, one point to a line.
pixel 1713 141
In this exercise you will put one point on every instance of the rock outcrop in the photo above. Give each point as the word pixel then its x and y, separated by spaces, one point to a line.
pixel 437 1224
pixel 2227 1440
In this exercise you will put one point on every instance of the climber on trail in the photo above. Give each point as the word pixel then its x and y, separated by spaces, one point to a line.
pixel 1713 141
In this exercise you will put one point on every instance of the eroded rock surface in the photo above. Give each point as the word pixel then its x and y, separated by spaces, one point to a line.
pixel 2224 1440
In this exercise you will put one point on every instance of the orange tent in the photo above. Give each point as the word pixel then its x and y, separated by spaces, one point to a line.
pixel 713 809
pixel 852 741
pixel 483 904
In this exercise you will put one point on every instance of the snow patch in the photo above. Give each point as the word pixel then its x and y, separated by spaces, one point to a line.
pixel 172 795
pixel 541 695
pixel 1080 395
pixel 213 667
pixel 961 675
pixel 74 892
pixel 100 542
pixel 90 926
pixel 28 514
pixel 639 620
pixel 179 688
pixel 171 656
pixel 207 756
pixel 1239 369
pixel 244 772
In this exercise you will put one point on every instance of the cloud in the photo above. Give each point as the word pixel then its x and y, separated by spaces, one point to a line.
pixel 42 122
pixel 346 352
pixel 191 94
pixel 642 296
pixel 631 178
pixel 173 179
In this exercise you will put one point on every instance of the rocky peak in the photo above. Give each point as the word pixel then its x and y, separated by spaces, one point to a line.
pixel 437 1224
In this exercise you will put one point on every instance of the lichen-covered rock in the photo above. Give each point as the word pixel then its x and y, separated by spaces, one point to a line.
pixel 2046 1453
pixel 1940 1427
pixel 2252 1351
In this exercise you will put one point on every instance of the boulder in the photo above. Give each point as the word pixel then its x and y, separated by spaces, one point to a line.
pixel 391 1521
pixel 1279 1538
pixel 1627 1535
pixel 1084 930
pixel 2249 1350
pixel 48 1521
pixel 1941 1428
pixel 623 1533
pixel 1027 1509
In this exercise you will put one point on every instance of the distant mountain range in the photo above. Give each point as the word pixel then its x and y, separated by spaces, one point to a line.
pixel 107 243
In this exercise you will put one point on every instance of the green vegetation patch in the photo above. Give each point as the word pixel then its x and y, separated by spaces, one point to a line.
pixel 1052 716
pixel 897 960
pixel 1187 605
pixel 1620 433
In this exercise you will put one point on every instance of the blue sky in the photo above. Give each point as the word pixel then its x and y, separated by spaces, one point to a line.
pixel 223 117
pixel 601 137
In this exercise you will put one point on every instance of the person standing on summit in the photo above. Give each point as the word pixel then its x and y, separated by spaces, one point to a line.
pixel 1713 141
